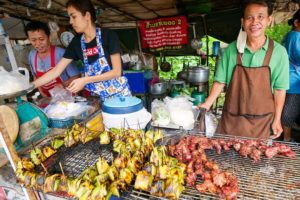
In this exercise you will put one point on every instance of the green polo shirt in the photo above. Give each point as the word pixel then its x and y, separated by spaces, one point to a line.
pixel 279 64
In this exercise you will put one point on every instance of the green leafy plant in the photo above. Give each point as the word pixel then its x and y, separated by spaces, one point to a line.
pixel 278 31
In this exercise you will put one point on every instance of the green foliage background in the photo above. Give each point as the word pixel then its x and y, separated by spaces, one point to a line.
pixel 276 32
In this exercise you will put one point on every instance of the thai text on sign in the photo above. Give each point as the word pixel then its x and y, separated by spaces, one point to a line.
pixel 164 33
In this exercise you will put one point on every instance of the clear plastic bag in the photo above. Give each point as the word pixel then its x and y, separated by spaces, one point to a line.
pixel 160 113
pixel 59 94
pixel 64 110
pixel 207 123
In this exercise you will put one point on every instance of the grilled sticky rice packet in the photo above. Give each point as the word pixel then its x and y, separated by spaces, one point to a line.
pixel 119 146
pixel 102 166
pixel 134 164
pixel 57 143
pixel 99 192
pixel 52 183
pixel 158 188
pixel 113 173
pixel 163 171
pixel 89 174
pixel 63 185
pixel 37 156
pixel 150 168
pixel 28 175
pixel 143 181
pixel 73 185
pixel 158 134
pixel 25 163
pixel 84 190
pixel 116 186
pixel 149 134
pixel 173 189
pixel 48 151
pixel 120 161
pixel 104 138
pixel 126 175
pixel 69 139
pixel 40 181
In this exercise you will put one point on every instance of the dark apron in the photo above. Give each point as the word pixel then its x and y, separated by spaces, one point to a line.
pixel 249 104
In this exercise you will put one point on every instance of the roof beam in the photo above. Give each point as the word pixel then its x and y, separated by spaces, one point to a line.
pixel 151 10
pixel 37 9
pixel 116 8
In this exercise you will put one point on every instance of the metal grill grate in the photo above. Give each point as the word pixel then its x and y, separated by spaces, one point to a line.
pixel 76 159
pixel 273 179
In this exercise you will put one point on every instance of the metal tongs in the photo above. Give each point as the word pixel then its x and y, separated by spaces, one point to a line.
pixel 269 142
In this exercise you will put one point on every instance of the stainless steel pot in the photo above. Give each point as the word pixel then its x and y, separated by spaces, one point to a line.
pixel 198 74
pixel 137 66
pixel 159 88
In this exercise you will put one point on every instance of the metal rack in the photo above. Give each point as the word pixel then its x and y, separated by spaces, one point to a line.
pixel 273 179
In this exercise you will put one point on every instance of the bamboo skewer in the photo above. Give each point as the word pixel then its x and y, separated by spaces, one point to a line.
pixel 61 168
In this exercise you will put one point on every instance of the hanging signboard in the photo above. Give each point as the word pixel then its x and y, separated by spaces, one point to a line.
pixel 164 33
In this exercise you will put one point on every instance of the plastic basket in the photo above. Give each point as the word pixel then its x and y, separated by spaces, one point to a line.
pixel 68 122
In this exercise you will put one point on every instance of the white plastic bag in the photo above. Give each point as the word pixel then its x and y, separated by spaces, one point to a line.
pixel 181 111
pixel 14 81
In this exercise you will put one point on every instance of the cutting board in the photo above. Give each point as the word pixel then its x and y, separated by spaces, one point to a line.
pixel 11 122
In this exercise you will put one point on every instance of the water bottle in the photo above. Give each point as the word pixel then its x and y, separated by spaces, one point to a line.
pixel 215 48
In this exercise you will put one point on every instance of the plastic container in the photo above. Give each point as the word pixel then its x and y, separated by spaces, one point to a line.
pixel 215 48
pixel 125 112
pixel 138 81
pixel 69 114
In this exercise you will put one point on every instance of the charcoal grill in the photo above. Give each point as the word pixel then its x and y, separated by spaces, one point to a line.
pixel 76 159
pixel 277 178
pixel 273 179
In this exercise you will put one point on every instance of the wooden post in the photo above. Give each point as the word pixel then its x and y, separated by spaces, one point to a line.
pixel 13 156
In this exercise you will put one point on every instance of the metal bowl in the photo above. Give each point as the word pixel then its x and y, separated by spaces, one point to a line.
pixel 17 94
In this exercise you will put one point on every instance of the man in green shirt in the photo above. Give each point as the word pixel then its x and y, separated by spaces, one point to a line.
pixel 256 78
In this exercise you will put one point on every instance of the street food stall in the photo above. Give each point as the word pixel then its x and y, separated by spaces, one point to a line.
pixel 156 144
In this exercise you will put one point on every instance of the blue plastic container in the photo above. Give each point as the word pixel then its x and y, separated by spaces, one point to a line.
pixel 138 81
pixel 215 48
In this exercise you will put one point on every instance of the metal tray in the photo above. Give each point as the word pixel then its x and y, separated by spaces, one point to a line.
pixel 16 94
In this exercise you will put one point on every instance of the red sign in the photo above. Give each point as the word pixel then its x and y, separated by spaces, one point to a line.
pixel 164 33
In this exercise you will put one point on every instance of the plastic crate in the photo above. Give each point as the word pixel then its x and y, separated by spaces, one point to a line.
pixel 138 80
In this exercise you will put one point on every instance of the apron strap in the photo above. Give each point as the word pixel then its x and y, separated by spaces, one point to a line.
pixel 239 58
pixel 52 59
pixel 269 53
pixel 52 56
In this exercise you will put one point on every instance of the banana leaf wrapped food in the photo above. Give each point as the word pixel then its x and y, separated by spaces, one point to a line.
pixel 37 156
pixel 104 138
pixel 143 181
